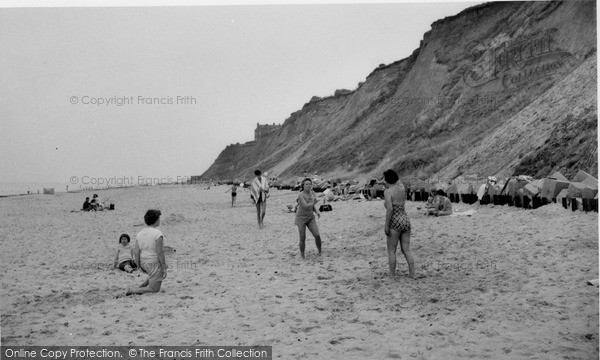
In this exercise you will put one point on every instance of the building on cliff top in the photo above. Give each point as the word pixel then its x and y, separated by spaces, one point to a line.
pixel 265 130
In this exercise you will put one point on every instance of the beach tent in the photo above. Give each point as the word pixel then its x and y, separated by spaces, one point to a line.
pixel 585 178
pixel 582 190
pixel 552 187
pixel 558 176
pixel 564 193
pixel 49 191
pixel 531 189
pixel 513 185
pixel 464 188
pixel 481 192
pixel 452 189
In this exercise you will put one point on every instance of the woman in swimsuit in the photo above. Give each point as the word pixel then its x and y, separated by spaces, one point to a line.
pixel 233 193
pixel 305 215
pixel 397 224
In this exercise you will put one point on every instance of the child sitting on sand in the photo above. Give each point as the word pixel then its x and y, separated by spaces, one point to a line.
pixel 124 255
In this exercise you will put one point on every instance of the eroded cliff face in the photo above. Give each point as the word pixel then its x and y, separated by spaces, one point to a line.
pixel 497 89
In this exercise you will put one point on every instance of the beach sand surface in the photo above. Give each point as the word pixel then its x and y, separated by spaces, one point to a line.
pixel 503 283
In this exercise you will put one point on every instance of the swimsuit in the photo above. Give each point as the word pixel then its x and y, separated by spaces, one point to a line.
pixel 305 214
pixel 399 220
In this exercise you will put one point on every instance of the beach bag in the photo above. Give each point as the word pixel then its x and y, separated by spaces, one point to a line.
pixel 325 207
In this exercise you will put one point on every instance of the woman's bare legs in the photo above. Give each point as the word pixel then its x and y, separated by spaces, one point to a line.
pixel 392 244
pixel 405 248
pixel 302 244
pixel 314 229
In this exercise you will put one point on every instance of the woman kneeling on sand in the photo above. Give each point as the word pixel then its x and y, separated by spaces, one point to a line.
pixel 150 255
pixel 397 224
pixel 305 216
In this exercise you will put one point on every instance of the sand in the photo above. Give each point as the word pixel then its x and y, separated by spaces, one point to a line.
pixel 501 283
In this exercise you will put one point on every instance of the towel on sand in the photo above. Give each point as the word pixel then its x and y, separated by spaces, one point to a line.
pixel 259 190
pixel 463 213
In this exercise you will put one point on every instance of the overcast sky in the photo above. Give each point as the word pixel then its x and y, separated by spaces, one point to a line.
pixel 190 80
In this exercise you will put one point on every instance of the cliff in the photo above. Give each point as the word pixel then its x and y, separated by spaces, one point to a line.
pixel 499 89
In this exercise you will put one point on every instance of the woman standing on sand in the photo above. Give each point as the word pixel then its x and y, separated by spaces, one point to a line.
pixel 397 224
pixel 305 215
pixel 149 254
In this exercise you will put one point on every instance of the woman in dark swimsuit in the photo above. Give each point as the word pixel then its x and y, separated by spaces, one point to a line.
pixel 233 194
pixel 397 224
pixel 305 216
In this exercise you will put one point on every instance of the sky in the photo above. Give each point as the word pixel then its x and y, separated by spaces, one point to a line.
pixel 132 93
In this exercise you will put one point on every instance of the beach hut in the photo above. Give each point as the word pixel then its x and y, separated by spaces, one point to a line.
pixel 49 191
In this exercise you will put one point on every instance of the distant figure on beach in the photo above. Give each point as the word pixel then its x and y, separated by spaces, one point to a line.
pixel 329 195
pixel 149 255
pixel 95 203
pixel 259 192
pixel 305 215
pixel 397 224
pixel 346 191
pixel 124 255
pixel 442 206
pixel 233 193
pixel 430 203
pixel 372 192
pixel 86 204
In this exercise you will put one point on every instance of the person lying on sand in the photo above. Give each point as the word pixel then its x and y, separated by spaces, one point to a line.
pixel 124 255
pixel 150 255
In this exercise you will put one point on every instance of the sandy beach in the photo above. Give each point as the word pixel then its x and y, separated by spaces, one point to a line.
pixel 502 283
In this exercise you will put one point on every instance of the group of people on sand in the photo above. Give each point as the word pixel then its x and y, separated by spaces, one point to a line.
pixel 397 224
pixel 147 254
pixel 438 204
pixel 95 204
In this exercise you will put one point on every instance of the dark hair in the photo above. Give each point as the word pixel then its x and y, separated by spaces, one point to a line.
pixel 87 198
pixel 440 192
pixel 257 172
pixel 124 236
pixel 302 183
pixel 390 176
pixel 95 195
pixel 151 217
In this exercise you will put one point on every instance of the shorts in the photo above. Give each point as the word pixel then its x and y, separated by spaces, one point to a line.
pixel 233 194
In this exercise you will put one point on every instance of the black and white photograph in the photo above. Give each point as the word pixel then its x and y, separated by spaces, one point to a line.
pixel 299 180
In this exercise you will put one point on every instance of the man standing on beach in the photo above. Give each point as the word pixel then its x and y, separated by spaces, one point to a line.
pixel 259 192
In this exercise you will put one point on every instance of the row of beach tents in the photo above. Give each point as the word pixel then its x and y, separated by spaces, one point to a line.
pixel 579 193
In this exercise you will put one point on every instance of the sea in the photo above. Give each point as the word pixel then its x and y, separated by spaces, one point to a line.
pixel 21 188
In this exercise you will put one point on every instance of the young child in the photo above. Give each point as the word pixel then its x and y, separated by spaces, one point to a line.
pixel 124 255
